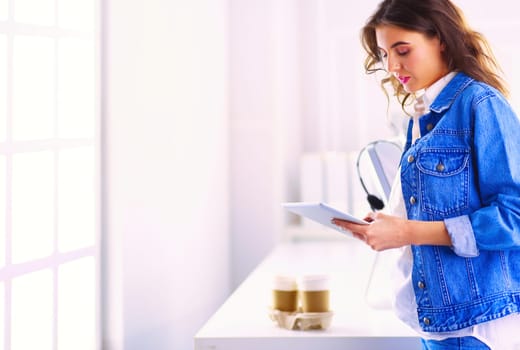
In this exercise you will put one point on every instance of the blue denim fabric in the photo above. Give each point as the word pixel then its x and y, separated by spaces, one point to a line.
pixel 465 343
pixel 465 170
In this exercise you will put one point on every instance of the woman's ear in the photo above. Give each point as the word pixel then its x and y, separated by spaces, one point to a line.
pixel 442 45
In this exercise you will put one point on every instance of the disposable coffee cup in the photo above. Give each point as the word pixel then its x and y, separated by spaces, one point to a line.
pixel 315 294
pixel 285 293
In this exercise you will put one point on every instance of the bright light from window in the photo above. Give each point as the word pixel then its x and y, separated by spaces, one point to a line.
pixel 32 206
pixel 49 185
pixel 76 90
pixel 3 86
pixel 33 88
pixel 76 305
pixel 76 205
pixel 4 10
pixel 2 213
pixel 2 312
pixel 76 14
pixel 34 11
pixel 32 313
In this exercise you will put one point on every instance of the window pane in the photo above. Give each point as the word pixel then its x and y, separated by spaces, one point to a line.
pixel 77 305
pixel 32 311
pixel 76 14
pixel 4 10
pixel 34 11
pixel 3 86
pixel 76 99
pixel 33 87
pixel 76 204
pixel 2 212
pixel 32 206
pixel 2 318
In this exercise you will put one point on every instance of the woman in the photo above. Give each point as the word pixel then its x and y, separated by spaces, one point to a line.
pixel 456 203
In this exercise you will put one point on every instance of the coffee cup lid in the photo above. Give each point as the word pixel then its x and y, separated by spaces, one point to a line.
pixel 284 282
pixel 314 282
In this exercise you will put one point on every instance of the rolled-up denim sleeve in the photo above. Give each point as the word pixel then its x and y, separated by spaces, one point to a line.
pixel 462 236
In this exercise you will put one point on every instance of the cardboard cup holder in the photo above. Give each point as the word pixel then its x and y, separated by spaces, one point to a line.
pixel 301 320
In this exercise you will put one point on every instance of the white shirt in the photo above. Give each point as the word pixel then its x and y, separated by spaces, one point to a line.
pixel 497 334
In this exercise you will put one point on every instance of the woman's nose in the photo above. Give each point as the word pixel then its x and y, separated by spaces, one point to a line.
pixel 392 64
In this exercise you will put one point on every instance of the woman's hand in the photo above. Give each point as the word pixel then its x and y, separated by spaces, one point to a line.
pixel 387 232
pixel 383 232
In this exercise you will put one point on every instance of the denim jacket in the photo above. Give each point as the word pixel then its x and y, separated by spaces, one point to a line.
pixel 465 171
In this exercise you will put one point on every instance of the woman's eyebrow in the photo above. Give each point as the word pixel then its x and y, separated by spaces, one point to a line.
pixel 399 43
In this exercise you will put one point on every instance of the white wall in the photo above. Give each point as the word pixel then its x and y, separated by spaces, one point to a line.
pixel 264 124
pixel 343 107
pixel 166 170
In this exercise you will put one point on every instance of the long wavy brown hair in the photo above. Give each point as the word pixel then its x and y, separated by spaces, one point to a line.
pixel 465 49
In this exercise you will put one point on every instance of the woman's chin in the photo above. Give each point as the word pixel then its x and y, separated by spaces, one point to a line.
pixel 409 88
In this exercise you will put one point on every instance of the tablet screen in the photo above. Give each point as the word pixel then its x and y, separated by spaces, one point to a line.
pixel 322 213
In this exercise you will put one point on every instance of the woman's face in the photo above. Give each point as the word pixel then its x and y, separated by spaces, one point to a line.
pixel 413 58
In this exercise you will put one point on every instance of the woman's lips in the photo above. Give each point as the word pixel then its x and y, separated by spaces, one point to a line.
pixel 404 80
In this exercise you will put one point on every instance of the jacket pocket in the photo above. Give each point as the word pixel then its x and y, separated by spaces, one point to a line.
pixel 444 180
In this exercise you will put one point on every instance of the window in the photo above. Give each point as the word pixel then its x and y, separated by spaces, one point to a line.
pixel 49 183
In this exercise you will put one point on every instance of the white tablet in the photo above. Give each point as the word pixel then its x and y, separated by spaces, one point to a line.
pixel 322 213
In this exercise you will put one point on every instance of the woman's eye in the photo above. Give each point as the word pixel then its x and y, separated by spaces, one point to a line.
pixel 402 52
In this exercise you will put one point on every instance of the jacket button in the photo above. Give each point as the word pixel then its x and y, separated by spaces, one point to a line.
pixel 429 127
pixel 421 285
pixel 410 158
pixel 440 167
pixel 426 321
pixel 412 200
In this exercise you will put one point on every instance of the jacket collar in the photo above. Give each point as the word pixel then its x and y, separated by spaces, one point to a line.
pixel 446 97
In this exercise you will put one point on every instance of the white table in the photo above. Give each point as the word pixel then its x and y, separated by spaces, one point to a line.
pixel 242 322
